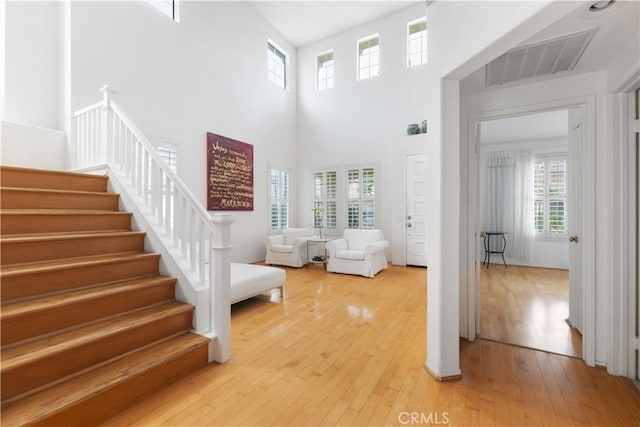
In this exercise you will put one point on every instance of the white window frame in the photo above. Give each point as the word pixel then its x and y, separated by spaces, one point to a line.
pixel 362 199
pixel 423 42
pixel 168 8
pixel 360 68
pixel 323 198
pixel 272 74
pixel 330 69
pixel 546 199
pixel 279 199
pixel 164 148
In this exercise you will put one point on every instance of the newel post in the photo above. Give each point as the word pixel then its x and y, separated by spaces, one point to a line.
pixel 220 289
pixel 104 122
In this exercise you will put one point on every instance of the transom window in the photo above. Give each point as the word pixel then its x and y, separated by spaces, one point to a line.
pixel 325 70
pixel 368 57
pixel 550 196
pixel 325 200
pixel 417 42
pixel 277 65
pixel 279 199
pixel 361 198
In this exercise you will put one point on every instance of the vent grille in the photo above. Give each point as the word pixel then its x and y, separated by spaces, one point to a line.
pixel 547 57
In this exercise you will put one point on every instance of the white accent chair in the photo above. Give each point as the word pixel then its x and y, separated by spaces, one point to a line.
pixel 289 248
pixel 360 252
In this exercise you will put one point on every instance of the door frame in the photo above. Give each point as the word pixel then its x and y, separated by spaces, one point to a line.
pixel 624 300
pixel 588 229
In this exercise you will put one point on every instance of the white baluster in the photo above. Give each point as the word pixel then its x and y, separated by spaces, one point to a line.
pixel 202 258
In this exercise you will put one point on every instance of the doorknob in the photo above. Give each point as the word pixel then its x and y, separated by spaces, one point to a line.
pixel 573 239
pixel 409 225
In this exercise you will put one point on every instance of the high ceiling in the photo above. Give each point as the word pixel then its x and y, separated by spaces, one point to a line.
pixel 617 33
pixel 302 22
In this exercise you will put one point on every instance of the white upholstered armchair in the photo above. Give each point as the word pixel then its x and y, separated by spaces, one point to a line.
pixel 359 252
pixel 289 248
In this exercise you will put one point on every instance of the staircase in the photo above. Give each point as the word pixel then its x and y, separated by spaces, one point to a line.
pixel 88 326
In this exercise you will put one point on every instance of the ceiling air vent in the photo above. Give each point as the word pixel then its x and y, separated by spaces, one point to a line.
pixel 537 59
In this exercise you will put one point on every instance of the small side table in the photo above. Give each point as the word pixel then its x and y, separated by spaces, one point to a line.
pixel 487 246
pixel 318 259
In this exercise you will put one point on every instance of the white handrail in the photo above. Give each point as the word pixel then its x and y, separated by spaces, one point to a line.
pixel 105 134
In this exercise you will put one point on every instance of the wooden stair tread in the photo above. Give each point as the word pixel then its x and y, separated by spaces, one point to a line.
pixel 38 178
pixel 54 399
pixel 59 300
pixel 5 168
pixel 70 263
pixel 54 191
pixel 23 353
pixel 61 212
pixel 38 237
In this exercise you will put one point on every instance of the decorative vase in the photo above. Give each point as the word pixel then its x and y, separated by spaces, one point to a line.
pixel 413 129
pixel 424 126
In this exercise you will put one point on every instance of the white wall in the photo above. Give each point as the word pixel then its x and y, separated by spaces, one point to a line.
pixel 547 253
pixel 356 122
pixel 32 147
pixel 31 64
pixel 177 81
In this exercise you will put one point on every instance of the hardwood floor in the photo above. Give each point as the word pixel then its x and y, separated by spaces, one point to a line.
pixel 347 350
pixel 528 306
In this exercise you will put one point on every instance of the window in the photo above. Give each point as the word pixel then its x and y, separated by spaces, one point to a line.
pixel 325 200
pixel 169 155
pixel 361 198
pixel 277 65
pixel 167 7
pixel 368 57
pixel 279 203
pixel 325 70
pixel 550 196
pixel 417 42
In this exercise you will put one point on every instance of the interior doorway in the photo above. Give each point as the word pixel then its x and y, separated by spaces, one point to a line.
pixel 529 169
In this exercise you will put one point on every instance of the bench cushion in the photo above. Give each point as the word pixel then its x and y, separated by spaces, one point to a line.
pixel 248 280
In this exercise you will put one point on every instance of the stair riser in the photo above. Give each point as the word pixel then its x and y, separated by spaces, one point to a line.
pixel 98 408
pixel 27 285
pixel 18 328
pixel 59 365
pixel 24 224
pixel 42 250
pixel 26 178
pixel 18 199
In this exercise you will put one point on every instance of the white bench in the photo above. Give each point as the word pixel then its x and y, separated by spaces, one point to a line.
pixel 248 280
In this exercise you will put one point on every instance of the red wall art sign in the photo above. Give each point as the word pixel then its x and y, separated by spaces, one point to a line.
pixel 229 174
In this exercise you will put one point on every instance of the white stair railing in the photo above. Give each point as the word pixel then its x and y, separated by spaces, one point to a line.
pixel 200 245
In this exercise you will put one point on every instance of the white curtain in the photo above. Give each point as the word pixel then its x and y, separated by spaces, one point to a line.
pixel 508 201
pixel 523 225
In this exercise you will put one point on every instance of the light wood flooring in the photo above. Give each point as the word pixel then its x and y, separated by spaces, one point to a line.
pixel 528 306
pixel 347 350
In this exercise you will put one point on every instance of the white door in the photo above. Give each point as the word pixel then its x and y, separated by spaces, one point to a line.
pixel 575 219
pixel 416 221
